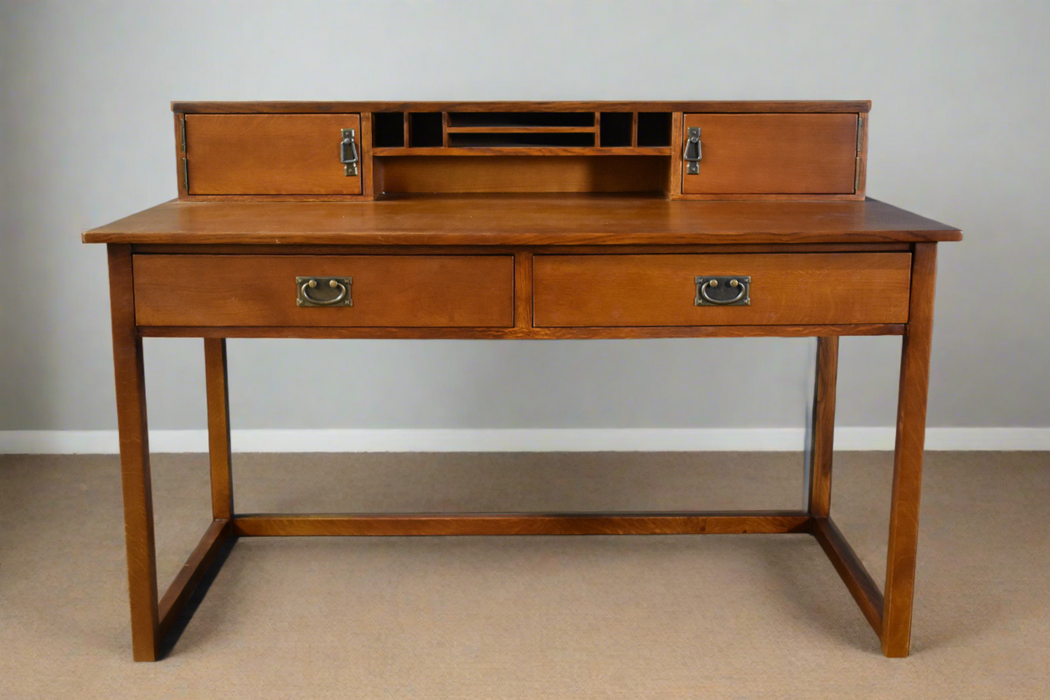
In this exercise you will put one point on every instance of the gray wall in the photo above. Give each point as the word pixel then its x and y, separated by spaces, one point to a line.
pixel 959 132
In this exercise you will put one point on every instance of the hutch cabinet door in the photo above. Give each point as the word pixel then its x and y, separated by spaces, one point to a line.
pixel 272 154
pixel 770 154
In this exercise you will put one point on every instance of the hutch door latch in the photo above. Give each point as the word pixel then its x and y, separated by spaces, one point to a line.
pixel 692 154
pixel 348 154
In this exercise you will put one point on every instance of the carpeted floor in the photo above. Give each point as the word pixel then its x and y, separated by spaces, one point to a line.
pixel 531 617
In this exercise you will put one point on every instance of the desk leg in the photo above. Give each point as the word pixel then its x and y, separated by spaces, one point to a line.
pixel 134 457
pixel 907 464
pixel 218 427
pixel 823 427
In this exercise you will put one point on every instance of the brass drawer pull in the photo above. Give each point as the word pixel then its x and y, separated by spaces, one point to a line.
pixel 740 283
pixel 340 285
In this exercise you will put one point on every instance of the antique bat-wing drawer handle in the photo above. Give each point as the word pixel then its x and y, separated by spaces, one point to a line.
pixel 732 290
pixel 324 291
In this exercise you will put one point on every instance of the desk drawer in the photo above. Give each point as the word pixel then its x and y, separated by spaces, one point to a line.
pixel 455 291
pixel 663 290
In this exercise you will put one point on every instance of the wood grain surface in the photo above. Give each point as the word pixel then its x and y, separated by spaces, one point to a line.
pixel 519 170
pixel 522 524
pixel 522 220
pixel 774 154
pixel 659 290
pixel 522 333
pixel 256 154
pixel 220 450
pixel 907 462
pixel 255 290
pixel 822 448
pixel 134 457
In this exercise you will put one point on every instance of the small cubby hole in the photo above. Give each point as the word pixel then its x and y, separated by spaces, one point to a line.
pixel 425 130
pixel 517 140
pixel 512 119
pixel 389 129
pixel 654 128
pixel 615 128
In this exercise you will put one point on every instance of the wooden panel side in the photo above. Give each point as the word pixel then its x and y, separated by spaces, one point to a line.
pixel 364 144
pixel 181 165
pixel 674 186
pixel 862 155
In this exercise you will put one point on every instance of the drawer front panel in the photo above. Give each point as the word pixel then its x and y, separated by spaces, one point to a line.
pixel 773 154
pixel 230 154
pixel 662 290
pixel 454 291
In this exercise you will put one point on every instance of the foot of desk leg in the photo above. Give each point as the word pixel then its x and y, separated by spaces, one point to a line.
pixel 907 464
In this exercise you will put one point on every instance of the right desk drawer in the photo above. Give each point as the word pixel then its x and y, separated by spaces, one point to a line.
pixel 721 290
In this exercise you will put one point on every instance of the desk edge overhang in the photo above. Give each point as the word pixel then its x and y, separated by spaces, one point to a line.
pixel 524 240
pixel 139 229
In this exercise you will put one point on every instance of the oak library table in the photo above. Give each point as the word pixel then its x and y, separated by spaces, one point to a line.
pixel 526 220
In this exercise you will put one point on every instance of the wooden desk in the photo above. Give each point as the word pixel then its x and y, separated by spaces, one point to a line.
pixel 529 221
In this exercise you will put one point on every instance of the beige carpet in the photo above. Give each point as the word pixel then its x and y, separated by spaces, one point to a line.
pixel 741 616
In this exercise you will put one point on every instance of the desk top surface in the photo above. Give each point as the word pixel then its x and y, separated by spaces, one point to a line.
pixel 522 221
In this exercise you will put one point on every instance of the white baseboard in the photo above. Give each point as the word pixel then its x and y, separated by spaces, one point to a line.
pixel 529 440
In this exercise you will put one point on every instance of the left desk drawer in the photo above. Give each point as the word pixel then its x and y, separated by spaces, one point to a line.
pixel 394 291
